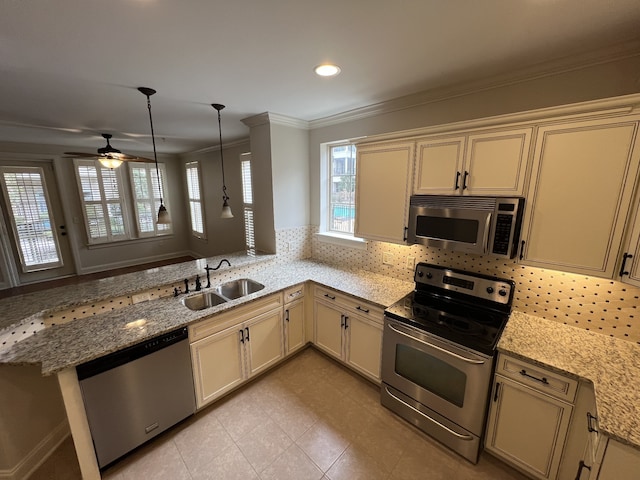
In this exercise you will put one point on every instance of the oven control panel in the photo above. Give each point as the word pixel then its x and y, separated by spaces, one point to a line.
pixel 472 284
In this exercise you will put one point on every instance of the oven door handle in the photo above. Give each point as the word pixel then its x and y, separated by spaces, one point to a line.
pixel 459 357
pixel 433 420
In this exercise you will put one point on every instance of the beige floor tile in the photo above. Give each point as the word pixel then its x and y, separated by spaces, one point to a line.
pixel 264 444
pixel 240 414
pixel 382 443
pixel 159 459
pixel 354 464
pixel 293 464
pixel 201 439
pixel 230 465
pixel 323 444
pixel 293 416
pixel 488 468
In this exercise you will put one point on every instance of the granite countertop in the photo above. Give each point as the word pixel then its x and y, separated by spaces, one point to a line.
pixel 68 345
pixel 611 364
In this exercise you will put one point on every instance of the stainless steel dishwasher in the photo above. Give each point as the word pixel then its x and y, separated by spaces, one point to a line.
pixel 134 394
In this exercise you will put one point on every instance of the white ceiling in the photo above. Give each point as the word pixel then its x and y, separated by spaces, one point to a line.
pixel 69 69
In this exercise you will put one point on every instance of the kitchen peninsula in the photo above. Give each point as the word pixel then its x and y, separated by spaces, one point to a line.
pixel 613 365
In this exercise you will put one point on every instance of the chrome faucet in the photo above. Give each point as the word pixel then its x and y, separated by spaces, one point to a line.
pixel 208 269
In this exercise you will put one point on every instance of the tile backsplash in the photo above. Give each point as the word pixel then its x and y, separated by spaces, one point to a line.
pixel 592 303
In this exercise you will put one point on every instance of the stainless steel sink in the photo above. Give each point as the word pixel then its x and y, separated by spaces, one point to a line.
pixel 238 288
pixel 203 300
pixel 222 293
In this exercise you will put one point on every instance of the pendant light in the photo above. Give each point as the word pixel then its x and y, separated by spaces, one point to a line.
pixel 226 209
pixel 163 214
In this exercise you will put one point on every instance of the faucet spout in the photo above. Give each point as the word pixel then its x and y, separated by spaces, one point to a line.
pixel 208 269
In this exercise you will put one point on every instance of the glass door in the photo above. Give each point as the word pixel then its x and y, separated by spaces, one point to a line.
pixel 38 248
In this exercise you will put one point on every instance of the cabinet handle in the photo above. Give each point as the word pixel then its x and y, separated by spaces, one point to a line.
pixel 522 249
pixel 346 322
pixel 286 315
pixel 242 335
pixel 544 380
pixel 589 424
pixel 457 181
pixel 365 310
pixel 342 317
pixel 247 329
pixel 406 230
pixel 581 465
pixel 625 256
pixel 464 180
pixel 332 297
pixel 495 395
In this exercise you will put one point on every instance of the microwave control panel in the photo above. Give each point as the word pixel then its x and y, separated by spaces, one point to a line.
pixel 508 217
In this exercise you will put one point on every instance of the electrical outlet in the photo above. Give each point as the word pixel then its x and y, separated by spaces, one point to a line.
pixel 411 263
pixel 387 258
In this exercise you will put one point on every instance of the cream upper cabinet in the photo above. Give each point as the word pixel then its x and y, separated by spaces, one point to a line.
pixel 629 270
pixel 383 182
pixel 490 163
pixel 581 187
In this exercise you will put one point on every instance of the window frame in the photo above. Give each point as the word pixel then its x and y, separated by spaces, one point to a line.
pixel 192 201
pixel 248 212
pixel 153 199
pixel 109 237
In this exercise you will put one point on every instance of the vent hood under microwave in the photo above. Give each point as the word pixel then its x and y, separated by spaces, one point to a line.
pixel 479 225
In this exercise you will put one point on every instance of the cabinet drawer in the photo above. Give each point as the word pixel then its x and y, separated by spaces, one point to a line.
pixel 350 304
pixel 293 293
pixel 537 377
pixel 228 318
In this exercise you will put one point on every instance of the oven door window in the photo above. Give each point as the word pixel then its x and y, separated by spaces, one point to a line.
pixel 431 373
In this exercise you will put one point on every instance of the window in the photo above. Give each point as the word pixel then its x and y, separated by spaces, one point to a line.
pixel 29 207
pixel 103 210
pixel 107 205
pixel 247 200
pixel 342 188
pixel 146 197
pixel 194 192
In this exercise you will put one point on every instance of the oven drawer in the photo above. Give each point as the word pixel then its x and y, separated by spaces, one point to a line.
pixel 537 377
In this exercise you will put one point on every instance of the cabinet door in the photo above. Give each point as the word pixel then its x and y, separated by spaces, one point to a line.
pixel 364 345
pixel 496 163
pixel 439 166
pixel 527 428
pixel 294 326
pixel 383 179
pixel 629 270
pixel 263 341
pixel 328 321
pixel 581 187
pixel 217 364
pixel 620 462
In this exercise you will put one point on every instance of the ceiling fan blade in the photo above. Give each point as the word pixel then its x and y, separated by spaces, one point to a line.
pixel 124 157
pixel 132 158
pixel 82 155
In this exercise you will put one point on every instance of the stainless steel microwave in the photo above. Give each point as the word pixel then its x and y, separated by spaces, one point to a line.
pixel 480 225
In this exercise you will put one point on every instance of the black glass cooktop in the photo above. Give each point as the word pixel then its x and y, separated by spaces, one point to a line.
pixel 461 323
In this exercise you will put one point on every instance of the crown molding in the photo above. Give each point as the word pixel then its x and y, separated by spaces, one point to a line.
pixel 216 147
pixel 541 70
pixel 275 119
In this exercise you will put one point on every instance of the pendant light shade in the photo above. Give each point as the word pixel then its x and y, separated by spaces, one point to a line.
pixel 226 209
pixel 163 214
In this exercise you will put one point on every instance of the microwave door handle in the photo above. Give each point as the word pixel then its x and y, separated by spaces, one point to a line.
pixel 487 232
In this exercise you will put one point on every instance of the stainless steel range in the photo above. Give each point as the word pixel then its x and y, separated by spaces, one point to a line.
pixel 438 353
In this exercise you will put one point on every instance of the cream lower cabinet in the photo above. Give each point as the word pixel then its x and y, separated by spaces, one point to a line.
pixel 529 417
pixel 616 462
pixel 582 182
pixel 230 348
pixel 349 330
pixel 294 322
pixel 383 183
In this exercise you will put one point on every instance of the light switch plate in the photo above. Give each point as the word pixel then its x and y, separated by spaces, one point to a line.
pixel 411 263
pixel 387 258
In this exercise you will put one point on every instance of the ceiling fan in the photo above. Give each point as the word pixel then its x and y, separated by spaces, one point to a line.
pixel 109 156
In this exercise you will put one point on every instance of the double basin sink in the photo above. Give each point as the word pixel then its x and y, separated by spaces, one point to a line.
pixel 222 293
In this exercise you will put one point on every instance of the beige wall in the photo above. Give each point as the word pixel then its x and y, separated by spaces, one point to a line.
pixel 31 407
pixel 222 235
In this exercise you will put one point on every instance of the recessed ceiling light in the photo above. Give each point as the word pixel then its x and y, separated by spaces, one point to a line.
pixel 327 70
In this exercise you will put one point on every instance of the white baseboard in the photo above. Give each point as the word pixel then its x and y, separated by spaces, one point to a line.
pixel 38 455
